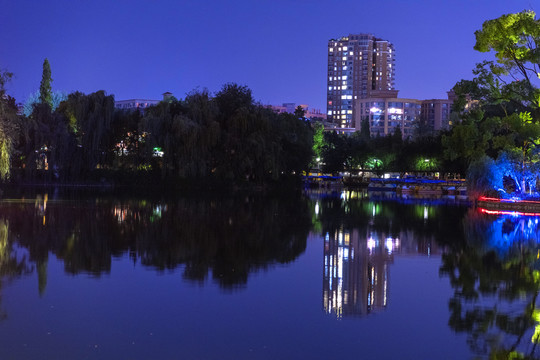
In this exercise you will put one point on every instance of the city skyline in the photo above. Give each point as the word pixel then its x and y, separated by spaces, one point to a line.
pixel 140 49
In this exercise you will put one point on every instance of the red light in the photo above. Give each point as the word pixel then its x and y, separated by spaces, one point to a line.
pixel 507 212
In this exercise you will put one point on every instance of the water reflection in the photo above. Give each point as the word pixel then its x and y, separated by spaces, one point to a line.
pixel 494 273
pixel 221 239
pixel 355 280
pixel 361 238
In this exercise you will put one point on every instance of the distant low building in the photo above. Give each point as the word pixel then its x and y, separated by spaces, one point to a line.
pixel 312 114
pixel 133 104
pixel 140 104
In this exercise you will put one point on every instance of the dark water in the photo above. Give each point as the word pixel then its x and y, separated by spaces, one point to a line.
pixel 318 276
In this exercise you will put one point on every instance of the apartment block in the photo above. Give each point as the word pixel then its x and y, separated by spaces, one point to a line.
pixel 358 65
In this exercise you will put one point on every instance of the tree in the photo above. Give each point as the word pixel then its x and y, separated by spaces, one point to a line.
pixel 318 143
pixel 56 98
pixel 8 113
pixel 45 89
pixel 514 39
pixel 506 117
pixel 299 112
pixel 364 129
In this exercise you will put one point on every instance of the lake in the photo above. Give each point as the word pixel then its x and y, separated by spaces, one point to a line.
pixel 317 275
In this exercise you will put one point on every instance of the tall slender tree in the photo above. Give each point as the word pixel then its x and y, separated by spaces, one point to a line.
pixel 45 89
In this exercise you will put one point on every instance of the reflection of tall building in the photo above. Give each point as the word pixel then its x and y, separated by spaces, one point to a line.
pixel 356 268
pixel 355 280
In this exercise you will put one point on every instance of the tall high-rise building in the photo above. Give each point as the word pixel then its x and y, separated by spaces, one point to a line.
pixel 358 66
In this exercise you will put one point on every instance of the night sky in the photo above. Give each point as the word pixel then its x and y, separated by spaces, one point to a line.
pixel 278 48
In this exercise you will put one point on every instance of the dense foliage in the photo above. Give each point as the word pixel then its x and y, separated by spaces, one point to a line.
pixel 226 138
pixel 352 153
pixel 497 113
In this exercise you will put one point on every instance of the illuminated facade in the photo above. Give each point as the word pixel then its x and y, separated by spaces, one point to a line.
pixel 386 112
pixel 357 66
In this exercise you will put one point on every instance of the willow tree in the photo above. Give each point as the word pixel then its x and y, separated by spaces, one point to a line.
pixel 8 113
pixel 87 119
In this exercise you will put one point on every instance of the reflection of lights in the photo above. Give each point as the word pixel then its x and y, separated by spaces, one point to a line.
pixel 389 245
pixel 425 212
pixel 507 212
pixel 121 214
pixel 317 208
pixel 385 285
pixel 371 244
pixel 514 199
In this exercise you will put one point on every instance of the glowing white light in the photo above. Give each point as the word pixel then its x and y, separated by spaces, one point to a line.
pixel 375 110
pixel 425 213
pixel 317 208
pixel 395 111
pixel 389 245
pixel 371 244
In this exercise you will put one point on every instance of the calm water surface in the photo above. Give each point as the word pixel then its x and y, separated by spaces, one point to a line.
pixel 318 276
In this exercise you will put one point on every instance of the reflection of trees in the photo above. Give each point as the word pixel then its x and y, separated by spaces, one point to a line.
pixel 424 219
pixel 229 237
pixel 496 283
pixel 10 265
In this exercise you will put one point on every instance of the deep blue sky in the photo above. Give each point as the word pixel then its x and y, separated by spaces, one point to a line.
pixel 142 48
